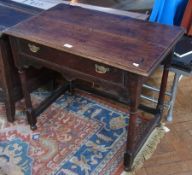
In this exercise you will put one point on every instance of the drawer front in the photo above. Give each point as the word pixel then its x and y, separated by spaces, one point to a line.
pixel 71 62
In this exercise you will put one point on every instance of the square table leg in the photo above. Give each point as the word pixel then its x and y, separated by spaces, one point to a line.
pixel 31 112
pixel 161 99
pixel 29 109
pixel 135 87
pixel 6 82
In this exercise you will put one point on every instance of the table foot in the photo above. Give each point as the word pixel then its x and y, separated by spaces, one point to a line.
pixel 33 127
pixel 31 119
pixel 71 88
pixel 128 161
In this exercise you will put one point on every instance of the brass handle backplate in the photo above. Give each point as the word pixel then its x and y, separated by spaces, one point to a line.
pixel 33 48
pixel 101 69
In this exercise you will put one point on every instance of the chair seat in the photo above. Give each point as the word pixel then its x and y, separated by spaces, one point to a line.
pixel 184 64
pixel 182 59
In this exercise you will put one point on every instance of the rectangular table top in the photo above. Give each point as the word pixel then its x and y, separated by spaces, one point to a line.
pixel 122 42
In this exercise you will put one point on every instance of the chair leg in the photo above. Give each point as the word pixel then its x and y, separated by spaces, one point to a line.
pixel 173 96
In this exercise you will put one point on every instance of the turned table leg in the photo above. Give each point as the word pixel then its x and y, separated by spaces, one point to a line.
pixel 135 86
pixel 29 109
pixel 160 105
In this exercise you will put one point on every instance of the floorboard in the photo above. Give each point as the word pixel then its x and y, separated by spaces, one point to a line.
pixel 174 154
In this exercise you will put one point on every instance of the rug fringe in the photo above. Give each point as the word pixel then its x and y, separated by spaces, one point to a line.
pixel 148 149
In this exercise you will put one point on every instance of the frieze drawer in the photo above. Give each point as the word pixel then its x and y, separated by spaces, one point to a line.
pixel 70 61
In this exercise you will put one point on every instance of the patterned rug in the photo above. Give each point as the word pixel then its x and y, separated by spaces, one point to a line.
pixel 76 135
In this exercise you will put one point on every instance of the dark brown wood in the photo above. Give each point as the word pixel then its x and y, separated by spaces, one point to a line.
pixel 91 38
pixel 163 87
pixel 135 87
pixel 12 13
pixel 6 83
pixel 187 18
pixel 97 50
pixel 29 109
pixel 69 61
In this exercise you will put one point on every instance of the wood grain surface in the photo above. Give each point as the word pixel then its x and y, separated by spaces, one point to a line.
pixel 125 43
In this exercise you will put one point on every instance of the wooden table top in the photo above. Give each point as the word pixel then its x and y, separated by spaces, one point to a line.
pixel 122 42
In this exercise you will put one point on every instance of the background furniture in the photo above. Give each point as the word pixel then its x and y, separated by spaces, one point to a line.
pixel 168 11
pixel 187 18
pixel 11 14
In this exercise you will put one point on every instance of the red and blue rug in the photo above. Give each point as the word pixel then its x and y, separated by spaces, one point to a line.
pixel 76 135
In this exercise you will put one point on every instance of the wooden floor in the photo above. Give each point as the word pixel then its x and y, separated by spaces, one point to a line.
pixel 174 154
